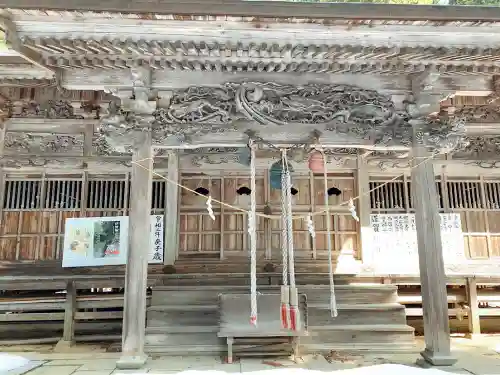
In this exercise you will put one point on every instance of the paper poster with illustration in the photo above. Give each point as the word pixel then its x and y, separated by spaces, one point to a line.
pixel 103 241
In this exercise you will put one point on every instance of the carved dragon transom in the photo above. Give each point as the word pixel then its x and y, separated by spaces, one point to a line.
pixel 348 111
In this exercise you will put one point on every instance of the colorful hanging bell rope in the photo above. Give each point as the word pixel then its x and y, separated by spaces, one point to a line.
pixel 285 291
pixel 294 298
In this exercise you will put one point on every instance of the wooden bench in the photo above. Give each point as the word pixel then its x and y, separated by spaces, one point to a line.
pixel 234 310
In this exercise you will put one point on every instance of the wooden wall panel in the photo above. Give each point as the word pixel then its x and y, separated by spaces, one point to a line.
pixel 28 248
pixel 35 211
pixel 8 248
pixel 189 199
pixel 232 235
pixel 10 223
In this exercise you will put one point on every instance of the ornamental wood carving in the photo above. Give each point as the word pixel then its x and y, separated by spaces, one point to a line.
pixel 52 109
pixel 482 151
pixel 343 111
pixel 484 113
pixel 43 143
pixel 120 130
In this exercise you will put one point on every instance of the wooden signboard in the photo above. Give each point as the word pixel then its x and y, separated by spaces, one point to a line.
pixel 103 241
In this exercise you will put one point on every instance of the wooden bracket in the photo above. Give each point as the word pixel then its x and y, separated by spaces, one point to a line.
pixel 14 42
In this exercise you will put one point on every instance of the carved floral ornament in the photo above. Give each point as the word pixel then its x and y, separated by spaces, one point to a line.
pixel 54 109
pixel 352 113
pixel 46 143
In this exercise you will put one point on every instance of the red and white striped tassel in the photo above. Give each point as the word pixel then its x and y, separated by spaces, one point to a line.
pixel 294 310
pixel 285 307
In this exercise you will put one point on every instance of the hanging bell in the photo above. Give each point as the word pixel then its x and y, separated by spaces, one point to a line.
pixel 316 162
pixel 275 175
pixel 244 156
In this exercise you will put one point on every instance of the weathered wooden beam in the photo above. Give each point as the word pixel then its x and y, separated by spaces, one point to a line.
pixel 270 9
pixel 89 79
pixel 42 125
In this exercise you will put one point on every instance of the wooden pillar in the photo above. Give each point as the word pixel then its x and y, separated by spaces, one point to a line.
pixel 134 311
pixel 3 130
pixel 172 210
pixel 68 338
pixel 364 211
pixel 430 254
pixel 473 316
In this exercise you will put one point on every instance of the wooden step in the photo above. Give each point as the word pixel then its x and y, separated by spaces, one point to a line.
pixel 183 338
pixel 183 319
pixel 163 329
pixel 363 328
pixel 158 317
pixel 362 334
pixel 185 350
pixel 345 294
pixel 361 306
pixel 362 348
pixel 356 314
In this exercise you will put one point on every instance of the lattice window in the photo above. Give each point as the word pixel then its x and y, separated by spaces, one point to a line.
pixel 388 196
pixel 477 201
pixel 158 195
pixel 63 194
pixel 107 194
pixel 22 194
pixel 464 195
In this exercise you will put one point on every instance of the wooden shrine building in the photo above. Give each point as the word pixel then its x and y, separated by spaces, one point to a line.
pixel 116 114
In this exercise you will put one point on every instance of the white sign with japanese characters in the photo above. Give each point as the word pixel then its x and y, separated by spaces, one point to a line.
pixel 156 250
pixel 394 243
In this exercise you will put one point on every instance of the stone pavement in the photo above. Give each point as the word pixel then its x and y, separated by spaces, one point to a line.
pixel 476 357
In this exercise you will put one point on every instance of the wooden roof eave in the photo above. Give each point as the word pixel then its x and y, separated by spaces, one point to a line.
pixel 279 9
